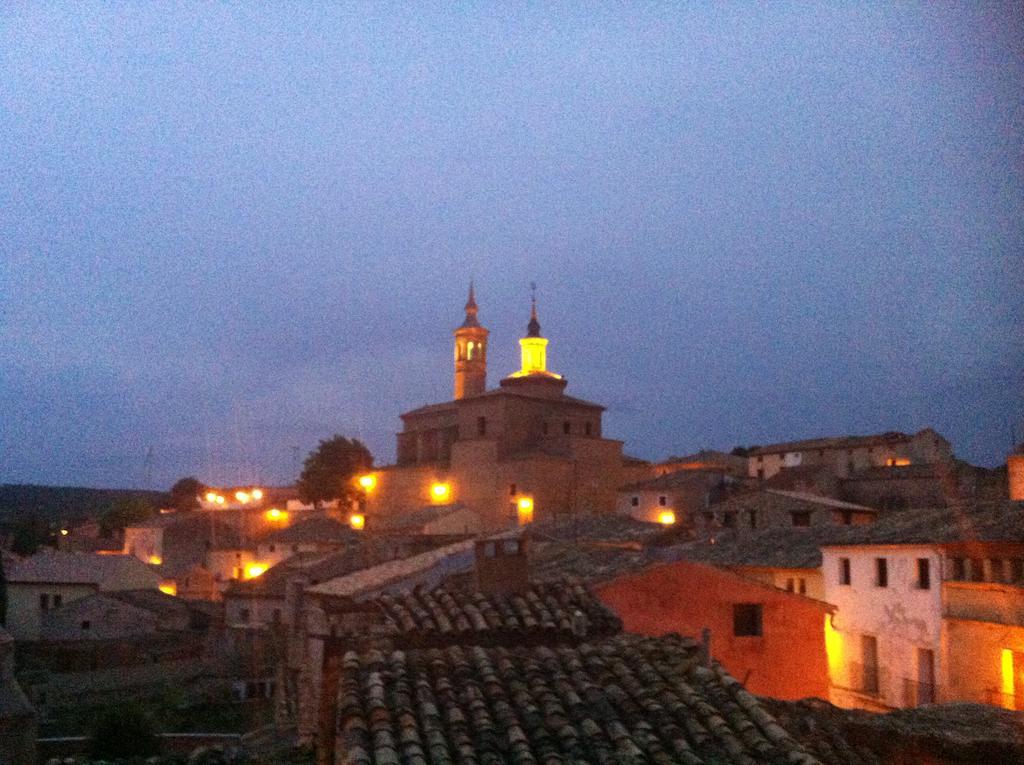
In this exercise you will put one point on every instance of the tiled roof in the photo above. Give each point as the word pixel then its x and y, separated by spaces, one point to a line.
pixel 833 442
pixel 416 518
pixel 1000 521
pixel 952 732
pixel 321 529
pixel 623 700
pixel 499 392
pixel 775 547
pixel 786 501
pixel 545 613
pixel 675 479
pixel 80 568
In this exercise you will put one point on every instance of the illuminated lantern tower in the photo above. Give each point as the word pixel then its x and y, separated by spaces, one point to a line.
pixel 470 353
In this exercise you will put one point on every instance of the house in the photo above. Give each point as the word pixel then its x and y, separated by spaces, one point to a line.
pixel 314 534
pixel 846 455
pixel 521 451
pixel 50 579
pixel 120 615
pixel 438 520
pixel 773 640
pixel 679 497
pixel 772 508
pixel 928 608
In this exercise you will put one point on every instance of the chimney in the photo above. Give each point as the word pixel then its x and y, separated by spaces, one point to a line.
pixel 502 565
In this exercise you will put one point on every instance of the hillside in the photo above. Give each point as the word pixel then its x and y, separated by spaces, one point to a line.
pixel 51 503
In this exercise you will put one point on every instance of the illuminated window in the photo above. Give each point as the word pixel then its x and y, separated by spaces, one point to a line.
pixel 844 571
pixel 746 620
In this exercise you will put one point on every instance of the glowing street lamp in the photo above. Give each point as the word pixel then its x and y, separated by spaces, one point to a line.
pixel 440 493
pixel 367 482
pixel 257 494
pixel 211 497
pixel 357 521
pixel 274 514
pixel 242 496
pixel 666 518
pixel 254 570
pixel 524 507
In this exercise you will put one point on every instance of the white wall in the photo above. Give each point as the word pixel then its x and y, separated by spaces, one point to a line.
pixel 23 604
pixel 901 616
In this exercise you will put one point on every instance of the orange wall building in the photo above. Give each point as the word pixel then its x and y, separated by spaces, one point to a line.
pixel 771 640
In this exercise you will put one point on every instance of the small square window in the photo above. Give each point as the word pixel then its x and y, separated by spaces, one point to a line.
pixel 663 500
pixel 729 520
pixel 801 586
pixel 789 585
pixel 746 620
pixel 86 624
pixel 802 518
pixel 58 600
pixel 588 429
pixel 510 547
pixel 44 602
pixel 511 489
pixel 634 501
pixel 566 428
pixel 959 569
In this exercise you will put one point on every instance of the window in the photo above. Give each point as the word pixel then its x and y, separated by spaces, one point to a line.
pixel 44 602
pixel 746 620
pixel 58 600
pixel 663 500
pixel 789 585
pixel 634 501
pixel 276 616
pixel 802 518
pixel 753 519
pixel 881 572
pixel 760 473
pixel 708 517
pixel 869 663
pixel 510 547
pixel 490 550
pixel 86 624
pixel 588 428
pixel 1017 569
pixel 729 520
pixel 924 574
pixel 801 586
pixel 511 489
pixel 481 426
pixel 244 614
pixel 565 427
pixel 959 569
pixel 847 517
pixel 977 570
pixel 272 548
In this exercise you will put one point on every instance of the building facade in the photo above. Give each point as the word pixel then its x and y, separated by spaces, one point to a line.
pixel 522 450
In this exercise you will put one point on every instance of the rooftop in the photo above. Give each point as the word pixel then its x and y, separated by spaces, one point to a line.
pixel 834 442
pixel 318 530
pixel 786 501
pixel 80 568
pixel 994 521
pixel 523 392
pixel 625 699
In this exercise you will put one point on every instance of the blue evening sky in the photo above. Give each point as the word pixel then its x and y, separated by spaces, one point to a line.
pixel 230 230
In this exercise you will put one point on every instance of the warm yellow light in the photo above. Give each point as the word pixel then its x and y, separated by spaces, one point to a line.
pixel 897 462
pixel 242 496
pixel 156 560
pixel 833 649
pixel 368 482
pixel 63 532
pixel 274 514
pixel 220 500
pixel 357 521
pixel 257 494
pixel 441 492
pixel 254 570
pixel 524 506
pixel 169 588
pixel 1008 685
pixel 211 496
pixel 666 517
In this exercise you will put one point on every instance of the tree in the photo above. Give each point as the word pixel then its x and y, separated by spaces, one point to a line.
pixel 329 470
pixel 124 512
pixel 185 493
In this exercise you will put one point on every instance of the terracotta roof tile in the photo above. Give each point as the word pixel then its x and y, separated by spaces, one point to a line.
pixel 623 700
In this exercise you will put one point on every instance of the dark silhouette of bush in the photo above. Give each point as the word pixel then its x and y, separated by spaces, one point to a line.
pixel 123 731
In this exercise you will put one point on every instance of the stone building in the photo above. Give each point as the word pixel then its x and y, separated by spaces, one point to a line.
pixel 846 455
pixel 522 450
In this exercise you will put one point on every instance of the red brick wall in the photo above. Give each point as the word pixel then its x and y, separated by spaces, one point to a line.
pixel 788 661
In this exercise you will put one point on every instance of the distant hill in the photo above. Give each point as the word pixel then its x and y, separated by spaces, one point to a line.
pixel 51 503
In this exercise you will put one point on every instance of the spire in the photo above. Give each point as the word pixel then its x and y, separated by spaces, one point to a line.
pixel 533 328
pixel 471 309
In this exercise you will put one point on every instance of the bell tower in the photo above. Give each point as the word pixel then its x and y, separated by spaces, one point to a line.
pixel 470 353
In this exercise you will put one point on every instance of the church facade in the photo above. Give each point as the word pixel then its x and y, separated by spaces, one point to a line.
pixel 522 451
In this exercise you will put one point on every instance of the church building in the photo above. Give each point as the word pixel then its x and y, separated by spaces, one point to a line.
pixel 522 451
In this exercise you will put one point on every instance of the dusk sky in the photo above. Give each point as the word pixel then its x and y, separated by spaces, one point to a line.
pixel 227 231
